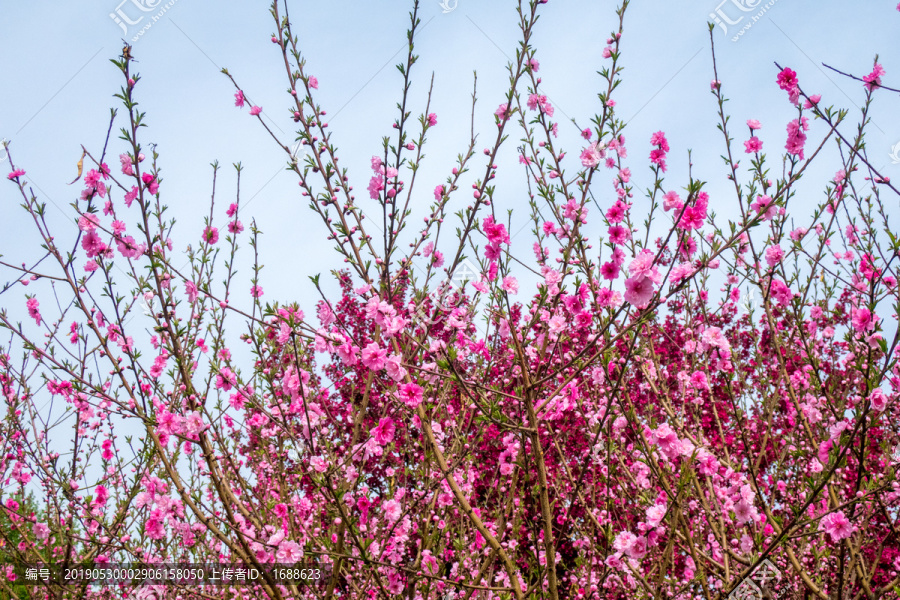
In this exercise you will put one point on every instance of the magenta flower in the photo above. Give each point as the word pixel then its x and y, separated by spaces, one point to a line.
pixel 796 138
pixel 410 394
pixel 33 310
pixel 211 235
pixel 384 432
pixel 836 525
pixel 873 79
pixel 752 145
pixel 239 99
pixel 787 79
pixel 609 271
pixel 254 111
pixel 374 357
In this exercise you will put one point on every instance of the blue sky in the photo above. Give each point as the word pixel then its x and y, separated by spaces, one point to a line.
pixel 59 86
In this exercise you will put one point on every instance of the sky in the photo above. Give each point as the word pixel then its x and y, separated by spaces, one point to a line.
pixel 59 83
pixel 59 86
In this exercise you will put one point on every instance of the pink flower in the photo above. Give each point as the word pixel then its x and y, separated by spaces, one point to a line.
pixel 313 82
pixel 33 310
pixel 41 531
pixel 510 285
pixel 878 399
pixel 256 291
pixel 764 204
pixel 394 369
pixel 432 119
pixel 392 510
pixel 787 79
pixel 781 292
pixel 863 320
pixel 624 541
pixel 744 511
pixel 256 110
pixel 616 212
pixel 796 138
pixel 752 145
pixel 639 291
pixel 655 514
pixel 190 288
pixel 92 244
pixel 374 357
pixel 384 432
pixel 502 113
pixel 642 266
pixel 592 155
pixel 211 235
pixel 873 79
pixel 239 98
pixel 714 338
pixel 276 538
pixel 15 174
pixel 193 424
pixel 659 139
pixel 376 185
pixel 836 525
pixel 609 271
pixel 410 394
pixel 753 124
pixel 672 200
pixel 619 234
pixel 126 164
pixel 699 381
pixel 101 496
pixel 87 222
pixel 154 528
pixel 225 379
pixel 288 552
pixel 774 255
pixel 130 196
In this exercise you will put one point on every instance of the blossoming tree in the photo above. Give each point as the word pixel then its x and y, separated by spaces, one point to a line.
pixel 632 427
